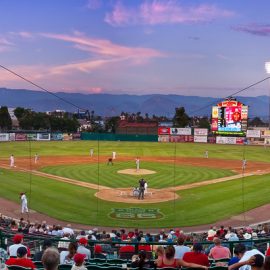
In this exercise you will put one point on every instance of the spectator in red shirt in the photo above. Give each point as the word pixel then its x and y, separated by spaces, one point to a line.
pixel 21 259
pixel 196 256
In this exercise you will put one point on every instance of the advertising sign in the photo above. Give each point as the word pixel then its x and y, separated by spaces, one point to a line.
pixel 180 131
pixel 200 139
pixel 226 140
pixel 200 131
pixel 56 136
pixel 76 136
pixel 4 137
pixel 265 134
pixel 163 138
pixel 20 137
pixel 43 136
pixel 253 133
pixel 164 131
pixel 31 136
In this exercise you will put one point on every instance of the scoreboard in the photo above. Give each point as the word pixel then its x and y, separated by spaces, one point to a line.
pixel 229 116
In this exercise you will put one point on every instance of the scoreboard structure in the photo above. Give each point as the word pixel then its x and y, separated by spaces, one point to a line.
pixel 229 117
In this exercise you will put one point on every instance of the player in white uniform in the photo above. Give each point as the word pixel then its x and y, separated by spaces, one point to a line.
pixel 12 161
pixel 206 154
pixel 244 164
pixel 91 152
pixel 24 204
pixel 137 161
pixel 113 155
pixel 145 187
pixel 36 158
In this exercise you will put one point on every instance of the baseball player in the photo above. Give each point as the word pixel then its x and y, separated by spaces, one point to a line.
pixel 12 161
pixel 91 152
pixel 113 155
pixel 137 161
pixel 24 204
pixel 36 158
pixel 244 164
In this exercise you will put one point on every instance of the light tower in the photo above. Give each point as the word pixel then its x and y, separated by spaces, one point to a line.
pixel 267 67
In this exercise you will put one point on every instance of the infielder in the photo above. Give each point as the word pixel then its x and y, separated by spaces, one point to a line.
pixel 113 155
pixel 12 161
pixel 244 164
pixel 36 158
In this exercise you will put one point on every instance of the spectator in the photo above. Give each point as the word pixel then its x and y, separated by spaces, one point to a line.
pixel 21 259
pixel 98 252
pixel 267 263
pixel 244 256
pixel 140 261
pixel 82 248
pixel 218 251
pixel 169 261
pixel 180 248
pixel 66 257
pixel 79 262
pixel 17 240
pixel 46 244
pixel 196 256
pixel 50 259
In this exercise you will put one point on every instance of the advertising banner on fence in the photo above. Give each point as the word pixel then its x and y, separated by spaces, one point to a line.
pixel 182 138
pixel 43 136
pixel 56 136
pixel 163 131
pixel 4 137
pixel 67 137
pixel 180 131
pixel 200 131
pixel 200 139
pixel 76 136
pixel 12 136
pixel 226 140
pixel 31 136
pixel 265 133
pixel 20 137
pixel 253 133
pixel 163 138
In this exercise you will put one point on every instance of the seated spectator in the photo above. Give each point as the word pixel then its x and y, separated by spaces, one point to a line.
pixel 50 259
pixel 196 256
pixel 169 261
pixel 98 252
pixel 180 248
pixel 63 245
pixel 18 242
pixel 160 252
pixel 140 261
pixel 21 259
pixel 244 256
pixel 46 244
pixel 82 243
pixel 66 257
pixel 79 260
pixel 218 251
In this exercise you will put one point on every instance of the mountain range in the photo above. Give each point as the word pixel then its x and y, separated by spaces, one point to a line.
pixel 113 104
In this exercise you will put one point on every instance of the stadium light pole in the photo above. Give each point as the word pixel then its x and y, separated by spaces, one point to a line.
pixel 267 67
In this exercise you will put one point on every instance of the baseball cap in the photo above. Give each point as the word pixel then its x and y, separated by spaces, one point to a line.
pixel 83 241
pixel 17 238
pixel 79 258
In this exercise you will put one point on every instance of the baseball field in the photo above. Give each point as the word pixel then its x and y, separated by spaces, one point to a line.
pixel 184 187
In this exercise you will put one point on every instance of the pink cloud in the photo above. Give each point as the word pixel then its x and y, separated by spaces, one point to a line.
pixel 254 29
pixel 94 4
pixel 105 47
pixel 164 12
pixel 96 90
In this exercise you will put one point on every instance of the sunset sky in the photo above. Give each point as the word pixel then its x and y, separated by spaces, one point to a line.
pixel 188 47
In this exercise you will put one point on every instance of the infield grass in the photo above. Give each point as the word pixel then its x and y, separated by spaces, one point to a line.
pixel 167 174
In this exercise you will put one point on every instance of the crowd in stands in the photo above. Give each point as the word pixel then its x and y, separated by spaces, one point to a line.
pixel 139 249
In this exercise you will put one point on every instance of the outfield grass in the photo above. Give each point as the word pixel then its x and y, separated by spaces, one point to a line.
pixel 133 149
pixel 167 174
pixel 77 204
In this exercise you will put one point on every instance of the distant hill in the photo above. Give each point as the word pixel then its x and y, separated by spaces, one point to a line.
pixel 109 105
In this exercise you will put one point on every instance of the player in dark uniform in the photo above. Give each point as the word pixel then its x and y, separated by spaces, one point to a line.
pixel 141 189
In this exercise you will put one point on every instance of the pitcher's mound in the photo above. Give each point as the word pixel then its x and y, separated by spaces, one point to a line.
pixel 125 195
pixel 135 172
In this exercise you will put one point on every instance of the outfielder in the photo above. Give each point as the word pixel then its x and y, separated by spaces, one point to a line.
pixel 24 203
pixel 12 161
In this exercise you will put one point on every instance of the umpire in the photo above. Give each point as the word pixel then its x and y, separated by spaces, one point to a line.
pixel 141 189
